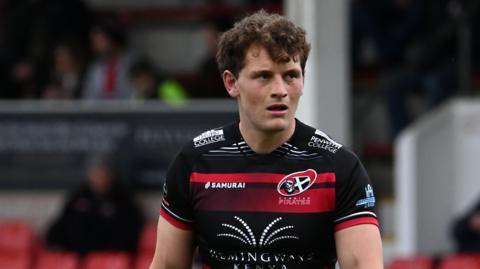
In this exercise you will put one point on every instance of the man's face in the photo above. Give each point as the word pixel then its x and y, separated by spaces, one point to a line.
pixel 267 92
pixel 100 42
pixel 100 179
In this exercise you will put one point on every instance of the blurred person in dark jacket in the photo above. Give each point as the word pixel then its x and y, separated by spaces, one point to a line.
pixel 66 72
pixel 388 26
pixel 466 231
pixel 149 85
pixel 431 65
pixel 209 83
pixel 145 80
pixel 99 215
pixel 29 29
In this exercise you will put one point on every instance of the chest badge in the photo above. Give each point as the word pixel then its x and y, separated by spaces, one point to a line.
pixel 296 183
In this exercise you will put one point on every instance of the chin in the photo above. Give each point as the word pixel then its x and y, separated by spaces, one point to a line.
pixel 276 125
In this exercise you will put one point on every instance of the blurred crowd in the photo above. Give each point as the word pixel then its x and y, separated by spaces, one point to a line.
pixel 422 47
pixel 54 49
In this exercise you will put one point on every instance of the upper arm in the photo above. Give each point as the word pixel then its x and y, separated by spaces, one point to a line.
pixel 359 247
pixel 357 235
pixel 174 248
pixel 354 194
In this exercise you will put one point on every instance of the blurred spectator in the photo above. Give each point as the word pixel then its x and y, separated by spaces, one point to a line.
pixel 436 84
pixel 430 67
pixel 148 85
pixel 209 83
pixel 107 77
pixel 25 80
pixel 145 80
pixel 67 71
pixel 100 215
pixel 466 231
pixel 381 30
pixel 30 28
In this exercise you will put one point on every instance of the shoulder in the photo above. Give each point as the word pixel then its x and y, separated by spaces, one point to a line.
pixel 209 140
pixel 316 140
pixel 320 141
pixel 313 139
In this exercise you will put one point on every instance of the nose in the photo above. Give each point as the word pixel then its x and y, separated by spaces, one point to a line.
pixel 279 88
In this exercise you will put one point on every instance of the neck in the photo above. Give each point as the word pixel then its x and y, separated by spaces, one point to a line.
pixel 264 142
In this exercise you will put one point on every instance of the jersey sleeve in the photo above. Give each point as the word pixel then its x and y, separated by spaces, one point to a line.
pixel 176 205
pixel 354 196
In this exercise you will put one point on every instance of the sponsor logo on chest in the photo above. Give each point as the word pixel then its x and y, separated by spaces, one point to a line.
pixel 295 184
pixel 225 185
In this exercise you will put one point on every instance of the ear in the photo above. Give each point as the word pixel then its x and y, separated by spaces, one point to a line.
pixel 230 82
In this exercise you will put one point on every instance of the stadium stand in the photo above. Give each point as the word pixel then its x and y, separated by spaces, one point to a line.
pixel 460 261
pixel 14 262
pixel 419 262
pixel 107 260
pixel 16 239
pixel 57 260
pixel 146 244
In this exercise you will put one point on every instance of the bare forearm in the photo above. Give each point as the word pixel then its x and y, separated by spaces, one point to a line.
pixel 360 247
pixel 174 249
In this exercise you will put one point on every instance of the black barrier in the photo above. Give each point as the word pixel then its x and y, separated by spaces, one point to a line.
pixel 47 146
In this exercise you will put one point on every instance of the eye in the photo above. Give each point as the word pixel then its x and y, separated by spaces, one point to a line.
pixel 292 75
pixel 262 75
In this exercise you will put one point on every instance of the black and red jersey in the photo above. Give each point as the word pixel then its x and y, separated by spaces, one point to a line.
pixel 276 210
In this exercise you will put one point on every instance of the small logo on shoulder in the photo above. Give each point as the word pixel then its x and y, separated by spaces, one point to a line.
pixel 296 183
pixel 208 137
pixel 369 201
pixel 322 141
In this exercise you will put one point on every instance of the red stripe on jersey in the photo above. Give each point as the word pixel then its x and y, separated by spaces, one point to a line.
pixel 251 177
pixel 206 267
pixel 239 177
pixel 174 221
pixel 314 200
pixel 356 221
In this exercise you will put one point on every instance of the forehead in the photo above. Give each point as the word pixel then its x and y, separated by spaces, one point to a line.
pixel 258 57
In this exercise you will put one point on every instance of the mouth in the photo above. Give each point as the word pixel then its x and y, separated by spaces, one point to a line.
pixel 277 108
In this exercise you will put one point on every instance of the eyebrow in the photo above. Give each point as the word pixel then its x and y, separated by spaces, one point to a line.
pixel 293 70
pixel 264 71
pixel 261 72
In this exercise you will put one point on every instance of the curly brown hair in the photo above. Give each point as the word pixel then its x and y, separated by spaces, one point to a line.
pixel 282 39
